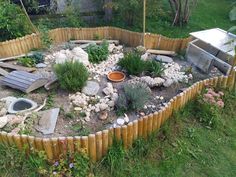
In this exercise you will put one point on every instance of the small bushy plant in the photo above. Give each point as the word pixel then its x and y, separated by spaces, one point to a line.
pixel 98 53
pixel 72 76
pixel 208 107
pixel 154 68
pixel 137 95
pixel 133 98
pixel 132 63
pixel 26 61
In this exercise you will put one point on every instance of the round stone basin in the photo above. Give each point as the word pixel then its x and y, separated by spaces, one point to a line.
pixel 116 76
pixel 21 105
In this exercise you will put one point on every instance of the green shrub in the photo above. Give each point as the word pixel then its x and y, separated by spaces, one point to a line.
pixel 133 98
pixel 31 61
pixel 154 68
pixel 72 76
pixel 26 61
pixel 132 63
pixel 13 22
pixel 98 53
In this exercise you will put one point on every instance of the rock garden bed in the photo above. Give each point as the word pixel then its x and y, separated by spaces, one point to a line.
pixel 79 97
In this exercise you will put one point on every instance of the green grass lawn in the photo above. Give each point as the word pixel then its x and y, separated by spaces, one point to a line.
pixel 207 14
pixel 184 147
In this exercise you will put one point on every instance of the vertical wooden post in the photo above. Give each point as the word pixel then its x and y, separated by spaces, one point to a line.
pixel 84 144
pixel 48 148
pixel 118 133
pixel 140 128
pixel 130 134
pixel 150 124
pixel 145 122
pixel 99 145
pixel 135 129
pixel 124 136
pixel 92 147
pixel 104 142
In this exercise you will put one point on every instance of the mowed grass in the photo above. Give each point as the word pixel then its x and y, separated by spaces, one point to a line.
pixel 183 147
pixel 207 14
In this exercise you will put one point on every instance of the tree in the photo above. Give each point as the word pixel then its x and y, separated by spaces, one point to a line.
pixel 181 10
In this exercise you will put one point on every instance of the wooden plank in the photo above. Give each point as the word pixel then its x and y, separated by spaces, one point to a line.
pixel 16 67
pixel 161 52
pixel 3 72
pixel 23 81
pixel 94 41
pixel 14 57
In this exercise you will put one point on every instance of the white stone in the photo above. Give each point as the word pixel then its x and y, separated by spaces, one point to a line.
pixel 109 89
pixel 152 82
pixel 126 118
pixel 145 56
pixel 60 57
pixel 3 121
pixel 3 112
pixel 111 103
pixel 78 109
pixel 114 97
pixel 103 106
pixel 80 55
pixel 168 83
pixel 87 119
pixel 120 121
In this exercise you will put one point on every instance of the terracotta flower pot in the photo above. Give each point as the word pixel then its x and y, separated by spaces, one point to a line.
pixel 116 76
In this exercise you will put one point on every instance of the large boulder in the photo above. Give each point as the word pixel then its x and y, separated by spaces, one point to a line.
pixel 91 88
pixel 80 55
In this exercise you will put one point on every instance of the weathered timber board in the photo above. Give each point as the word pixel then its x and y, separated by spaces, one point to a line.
pixel 16 67
pixel 3 72
pixel 21 80
pixel 14 57
pixel 161 52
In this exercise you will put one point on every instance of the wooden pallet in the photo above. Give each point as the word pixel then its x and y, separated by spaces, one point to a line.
pixel 24 81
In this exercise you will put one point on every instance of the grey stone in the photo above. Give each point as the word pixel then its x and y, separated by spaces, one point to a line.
pixel 164 59
pixel 3 121
pixel 41 65
pixel 48 120
pixel 21 105
pixel 91 88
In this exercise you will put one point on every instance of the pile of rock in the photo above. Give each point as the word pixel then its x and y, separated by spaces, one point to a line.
pixel 172 74
pixel 94 103
pixel 76 54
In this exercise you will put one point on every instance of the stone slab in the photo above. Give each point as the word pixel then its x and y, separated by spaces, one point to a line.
pixel 91 88
pixel 48 120
pixel 164 59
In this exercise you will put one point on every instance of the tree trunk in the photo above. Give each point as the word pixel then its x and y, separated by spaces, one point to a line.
pixel 108 10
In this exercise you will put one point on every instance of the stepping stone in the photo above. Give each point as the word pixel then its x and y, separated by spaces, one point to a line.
pixel 91 88
pixel 24 81
pixel 41 65
pixel 164 59
pixel 48 120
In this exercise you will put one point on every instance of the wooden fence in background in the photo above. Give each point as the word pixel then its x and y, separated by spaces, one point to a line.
pixel 154 41
pixel 96 145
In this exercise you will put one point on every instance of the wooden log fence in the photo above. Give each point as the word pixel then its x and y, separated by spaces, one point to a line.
pixel 96 145
pixel 25 44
